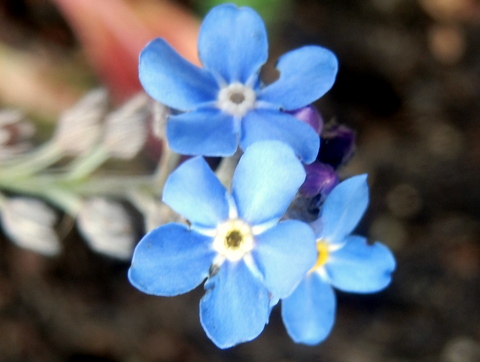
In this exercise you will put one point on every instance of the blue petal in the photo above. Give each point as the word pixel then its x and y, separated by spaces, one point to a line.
pixel 265 124
pixel 206 132
pixel 265 181
pixel 233 42
pixel 309 313
pixel 172 80
pixel 359 267
pixel 236 307
pixel 170 260
pixel 343 209
pixel 194 191
pixel 284 254
pixel 306 74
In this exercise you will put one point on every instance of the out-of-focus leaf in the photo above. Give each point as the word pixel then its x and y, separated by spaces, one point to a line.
pixel 271 11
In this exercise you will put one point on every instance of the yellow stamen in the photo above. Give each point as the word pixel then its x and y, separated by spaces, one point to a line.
pixel 323 253
pixel 234 239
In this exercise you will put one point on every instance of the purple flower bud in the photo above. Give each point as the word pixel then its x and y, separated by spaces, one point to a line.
pixel 338 145
pixel 310 116
pixel 321 179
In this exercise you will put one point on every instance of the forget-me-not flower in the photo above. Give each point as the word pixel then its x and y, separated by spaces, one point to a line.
pixel 346 262
pixel 224 103
pixel 234 239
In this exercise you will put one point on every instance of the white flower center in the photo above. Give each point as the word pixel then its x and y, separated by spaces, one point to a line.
pixel 233 239
pixel 236 99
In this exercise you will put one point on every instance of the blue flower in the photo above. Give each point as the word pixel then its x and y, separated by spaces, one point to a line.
pixel 224 103
pixel 235 240
pixel 346 262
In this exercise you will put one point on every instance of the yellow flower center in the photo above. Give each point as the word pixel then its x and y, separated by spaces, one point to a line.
pixel 233 239
pixel 323 253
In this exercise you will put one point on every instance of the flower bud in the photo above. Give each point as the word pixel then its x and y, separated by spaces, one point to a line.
pixel 15 133
pixel 127 128
pixel 80 127
pixel 338 145
pixel 29 223
pixel 320 180
pixel 310 116
pixel 160 115
pixel 107 227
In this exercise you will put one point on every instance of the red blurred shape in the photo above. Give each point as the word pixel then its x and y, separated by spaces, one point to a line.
pixel 113 32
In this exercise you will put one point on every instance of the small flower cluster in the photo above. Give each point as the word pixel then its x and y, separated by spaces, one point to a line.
pixel 246 238
pixel 61 173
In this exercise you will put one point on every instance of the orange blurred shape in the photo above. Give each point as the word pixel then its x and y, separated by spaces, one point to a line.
pixel 113 32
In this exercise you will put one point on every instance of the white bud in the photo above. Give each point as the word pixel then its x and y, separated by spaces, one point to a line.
pixel 29 223
pixel 107 227
pixel 80 127
pixel 15 133
pixel 126 129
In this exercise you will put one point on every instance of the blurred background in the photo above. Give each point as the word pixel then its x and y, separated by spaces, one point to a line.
pixel 409 84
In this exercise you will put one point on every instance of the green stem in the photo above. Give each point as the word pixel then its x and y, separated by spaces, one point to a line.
pixel 84 166
pixel 29 164
pixel 48 189
pixel 65 200
pixel 226 169
pixel 3 200
pixel 113 185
